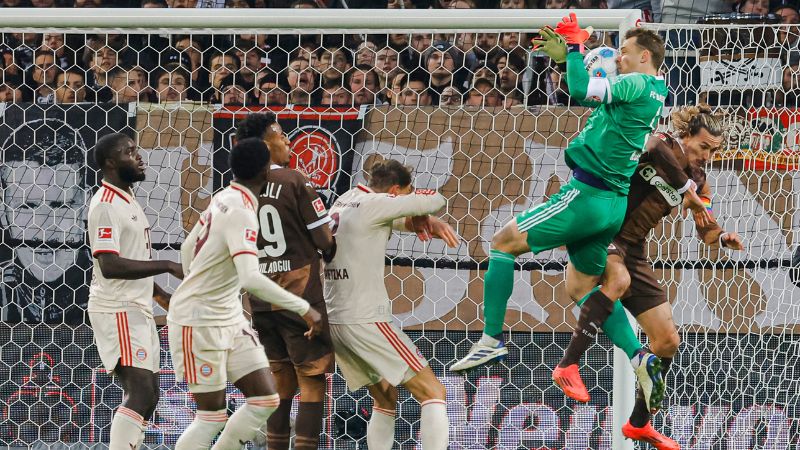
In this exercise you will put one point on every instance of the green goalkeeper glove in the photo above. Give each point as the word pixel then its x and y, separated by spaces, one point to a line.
pixel 552 44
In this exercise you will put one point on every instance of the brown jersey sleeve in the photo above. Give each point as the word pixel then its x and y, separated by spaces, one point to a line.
pixel 313 212
pixel 710 233
pixel 661 149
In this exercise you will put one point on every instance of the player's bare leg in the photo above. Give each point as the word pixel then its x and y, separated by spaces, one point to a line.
pixel 310 412
pixel 657 323
pixel 431 395
pixel 380 429
pixel 261 400
pixel 278 425
pixel 507 244
pixel 141 390
pixel 208 422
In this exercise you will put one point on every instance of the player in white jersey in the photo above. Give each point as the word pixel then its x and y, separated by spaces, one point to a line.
pixel 122 288
pixel 370 350
pixel 210 339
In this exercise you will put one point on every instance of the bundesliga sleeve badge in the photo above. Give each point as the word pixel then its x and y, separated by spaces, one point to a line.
pixel 250 236
pixel 319 207
pixel 104 233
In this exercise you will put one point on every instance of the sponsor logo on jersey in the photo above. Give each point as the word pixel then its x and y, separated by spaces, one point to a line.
pixel 141 354
pixel 648 173
pixel 425 192
pixel 316 153
pixel 104 233
pixel 336 274
pixel 206 370
pixel 250 236
pixel 319 207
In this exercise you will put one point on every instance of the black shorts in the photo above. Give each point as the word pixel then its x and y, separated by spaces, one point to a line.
pixel 645 292
pixel 281 334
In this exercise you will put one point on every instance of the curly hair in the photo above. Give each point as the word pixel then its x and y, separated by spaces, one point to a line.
pixel 689 120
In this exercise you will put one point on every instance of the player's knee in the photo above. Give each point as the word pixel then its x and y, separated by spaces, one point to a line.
pixel 508 240
pixel 616 283
pixel 666 345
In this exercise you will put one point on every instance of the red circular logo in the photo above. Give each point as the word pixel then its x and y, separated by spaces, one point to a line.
pixel 206 370
pixel 141 354
pixel 315 152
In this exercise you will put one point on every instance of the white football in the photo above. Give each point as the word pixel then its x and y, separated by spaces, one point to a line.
pixel 601 62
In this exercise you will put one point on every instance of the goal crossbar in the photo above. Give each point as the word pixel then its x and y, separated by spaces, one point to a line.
pixel 291 21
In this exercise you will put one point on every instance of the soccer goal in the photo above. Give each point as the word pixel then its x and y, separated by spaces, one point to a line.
pixel 485 124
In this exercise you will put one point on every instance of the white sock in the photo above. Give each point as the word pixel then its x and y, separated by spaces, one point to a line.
pixel 488 341
pixel 126 429
pixel 434 425
pixel 380 429
pixel 203 429
pixel 246 422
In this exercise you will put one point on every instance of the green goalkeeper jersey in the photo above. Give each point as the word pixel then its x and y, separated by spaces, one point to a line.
pixel 627 111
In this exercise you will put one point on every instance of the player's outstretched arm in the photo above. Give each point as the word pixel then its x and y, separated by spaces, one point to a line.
pixel 268 291
pixel 428 227
pixel 419 203
pixel 115 267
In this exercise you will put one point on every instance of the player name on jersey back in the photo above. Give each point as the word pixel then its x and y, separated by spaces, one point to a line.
pixel 117 225
pixel 289 211
pixel 354 280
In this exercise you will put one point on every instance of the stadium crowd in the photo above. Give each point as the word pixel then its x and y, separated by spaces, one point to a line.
pixel 472 69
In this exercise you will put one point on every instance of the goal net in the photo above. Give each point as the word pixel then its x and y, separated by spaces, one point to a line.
pixel 480 117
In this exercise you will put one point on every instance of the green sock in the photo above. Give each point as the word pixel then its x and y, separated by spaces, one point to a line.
pixel 618 329
pixel 498 283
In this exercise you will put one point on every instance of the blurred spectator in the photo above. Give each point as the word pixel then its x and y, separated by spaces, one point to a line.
pixel 511 4
pixel 462 4
pixel 509 41
pixel 400 4
pixel 515 98
pixel 65 57
pixel 128 84
pixel 486 42
pixel 487 72
pixel 102 61
pixel 182 3
pixel 41 76
pixel 510 68
pixel 648 7
pixel 483 94
pixel 172 85
pixel 302 81
pixel 398 41
pixel 238 4
pixel 154 4
pixel 70 86
pixel 553 4
pixel 365 55
pixel 441 61
pixel 385 62
pixel 688 11
pixel 233 91
pixel 10 90
pixel 334 94
pixel 43 3
pixel 450 96
pixel 789 96
pixel 251 57
pixel 220 65
pixel 760 7
pixel 363 82
pixel 333 63
pixel 393 86
pixel 310 4
pixel 13 3
pixel 88 3
pixel 193 48
pixel 790 15
pixel 273 89
pixel 414 89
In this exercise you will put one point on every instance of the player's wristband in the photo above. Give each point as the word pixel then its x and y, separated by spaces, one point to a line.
pixel 574 48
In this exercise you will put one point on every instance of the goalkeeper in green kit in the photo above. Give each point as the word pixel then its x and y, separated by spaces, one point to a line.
pixel 588 211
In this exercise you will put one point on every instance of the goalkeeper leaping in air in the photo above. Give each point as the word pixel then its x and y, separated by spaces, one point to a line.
pixel 589 210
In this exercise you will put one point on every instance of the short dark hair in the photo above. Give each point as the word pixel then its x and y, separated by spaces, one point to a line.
pixel 107 145
pixel 73 70
pixel 248 158
pixel 224 55
pixel 419 75
pixel 389 172
pixel 255 125
pixel 650 41
pixel 160 3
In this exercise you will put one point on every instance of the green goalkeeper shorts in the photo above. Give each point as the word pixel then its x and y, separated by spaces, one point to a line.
pixel 582 217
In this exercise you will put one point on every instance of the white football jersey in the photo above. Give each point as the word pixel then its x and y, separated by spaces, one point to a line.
pixel 209 295
pixel 362 219
pixel 117 224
